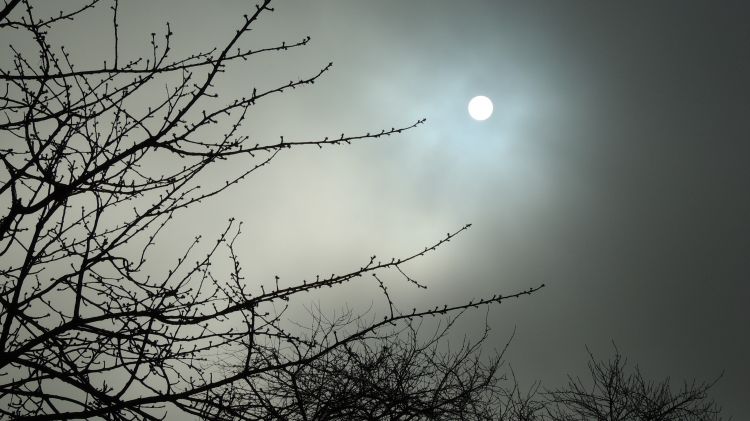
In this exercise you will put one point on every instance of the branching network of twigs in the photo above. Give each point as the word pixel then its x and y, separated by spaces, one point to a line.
pixel 93 169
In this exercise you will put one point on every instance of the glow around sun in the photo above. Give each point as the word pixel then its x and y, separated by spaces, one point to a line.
pixel 480 108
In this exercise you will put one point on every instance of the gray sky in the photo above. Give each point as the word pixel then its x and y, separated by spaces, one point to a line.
pixel 614 168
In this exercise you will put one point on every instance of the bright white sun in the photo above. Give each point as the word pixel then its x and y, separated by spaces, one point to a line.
pixel 480 108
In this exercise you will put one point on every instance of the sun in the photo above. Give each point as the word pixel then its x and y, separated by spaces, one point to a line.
pixel 480 108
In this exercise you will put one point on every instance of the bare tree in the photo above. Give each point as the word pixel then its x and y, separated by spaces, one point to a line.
pixel 86 329
pixel 403 374
pixel 617 393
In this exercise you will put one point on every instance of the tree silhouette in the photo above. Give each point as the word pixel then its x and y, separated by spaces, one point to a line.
pixel 91 175
pixel 402 375
pixel 616 393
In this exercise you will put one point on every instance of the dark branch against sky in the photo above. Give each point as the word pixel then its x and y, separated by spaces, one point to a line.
pixel 614 168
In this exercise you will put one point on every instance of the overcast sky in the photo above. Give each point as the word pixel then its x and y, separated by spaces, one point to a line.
pixel 614 168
